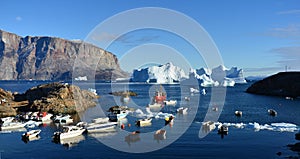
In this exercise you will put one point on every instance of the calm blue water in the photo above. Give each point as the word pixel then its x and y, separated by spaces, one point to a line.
pixel 239 143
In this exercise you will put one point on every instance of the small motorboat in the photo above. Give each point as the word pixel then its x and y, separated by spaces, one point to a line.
pixel 215 109
pixel 223 129
pixel 65 119
pixel 155 105
pixel 101 127
pixel 169 120
pixel 68 132
pixel 133 137
pixel 182 110
pixel 272 112
pixel 194 90
pixel 117 113
pixel 171 102
pixel 187 98
pixel 71 142
pixel 101 120
pixel 238 113
pixel 208 126
pixel 144 122
pixel 31 134
pixel 160 135
pixel 12 125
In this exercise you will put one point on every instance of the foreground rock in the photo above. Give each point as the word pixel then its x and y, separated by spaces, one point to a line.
pixel 53 97
pixel 284 84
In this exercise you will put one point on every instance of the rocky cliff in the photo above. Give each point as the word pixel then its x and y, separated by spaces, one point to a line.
pixel 52 97
pixel 286 84
pixel 49 58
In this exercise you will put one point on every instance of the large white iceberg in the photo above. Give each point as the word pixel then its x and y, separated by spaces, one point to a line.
pixel 167 73
pixel 219 76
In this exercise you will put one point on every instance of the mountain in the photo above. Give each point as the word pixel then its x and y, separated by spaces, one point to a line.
pixel 284 84
pixel 167 73
pixel 218 76
pixel 51 58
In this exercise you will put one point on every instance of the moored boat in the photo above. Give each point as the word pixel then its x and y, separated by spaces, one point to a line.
pixel 65 119
pixel 272 112
pixel 208 126
pixel 238 113
pixel 12 125
pixel 223 129
pixel 31 134
pixel 144 122
pixel 171 102
pixel 160 134
pixel 182 110
pixel 155 105
pixel 117 113
pixel 68 132
pixel 101 127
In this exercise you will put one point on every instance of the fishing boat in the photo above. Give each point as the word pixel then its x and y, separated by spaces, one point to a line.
pixel 169 120
pixel 31 134
pixel 160 96
pixel 272 112
pixel 68 132
pixel 238 113
pixel 144 122
pixel 171 102
pixel 182 110
pixel 117 113
pixel 101 127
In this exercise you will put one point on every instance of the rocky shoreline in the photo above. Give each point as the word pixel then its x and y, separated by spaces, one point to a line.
pixel 285 84
pixel 52 97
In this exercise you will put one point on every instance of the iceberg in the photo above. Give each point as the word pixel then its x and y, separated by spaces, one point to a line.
pixel 81 78
pixel 163 74
pixel 219 76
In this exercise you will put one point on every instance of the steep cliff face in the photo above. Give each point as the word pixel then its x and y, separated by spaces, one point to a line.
pixel 49 58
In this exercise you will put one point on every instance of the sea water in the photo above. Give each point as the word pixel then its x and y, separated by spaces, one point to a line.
pixel 254 135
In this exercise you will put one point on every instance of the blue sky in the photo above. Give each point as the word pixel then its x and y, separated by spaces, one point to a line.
pixel 262 37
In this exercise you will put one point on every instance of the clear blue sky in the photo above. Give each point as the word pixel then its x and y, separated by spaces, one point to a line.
pixel 260 36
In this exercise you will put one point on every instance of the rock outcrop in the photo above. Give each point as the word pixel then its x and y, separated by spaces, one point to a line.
pixel 284 84
pixel 49 58
pixel 52 97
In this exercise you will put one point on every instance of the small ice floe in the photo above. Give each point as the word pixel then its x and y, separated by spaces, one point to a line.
pixel 282 127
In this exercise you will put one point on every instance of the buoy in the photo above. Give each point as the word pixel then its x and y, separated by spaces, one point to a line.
pixel 122 126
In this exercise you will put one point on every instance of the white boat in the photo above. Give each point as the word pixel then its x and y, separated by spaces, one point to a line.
pixel 66 119
pixel 100 120
pixel 31 134
pixel 238 113
pixel 12 125
pixel 160 135
pixel 182 110
pixel 72 141
pixel 44 117
pixel 194 90
pixel 171 102
pixel 68 132
pixel 101 127
pixel 169 120
pixel 6 120
pixel 155 105
pixel 208 126
pixel 117 113
pixel 144 122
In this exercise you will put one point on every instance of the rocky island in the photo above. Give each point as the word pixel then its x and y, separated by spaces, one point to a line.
pixel 285 84
pixel 53 97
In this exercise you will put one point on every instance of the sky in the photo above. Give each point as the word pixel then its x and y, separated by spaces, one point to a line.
pixel 261 37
